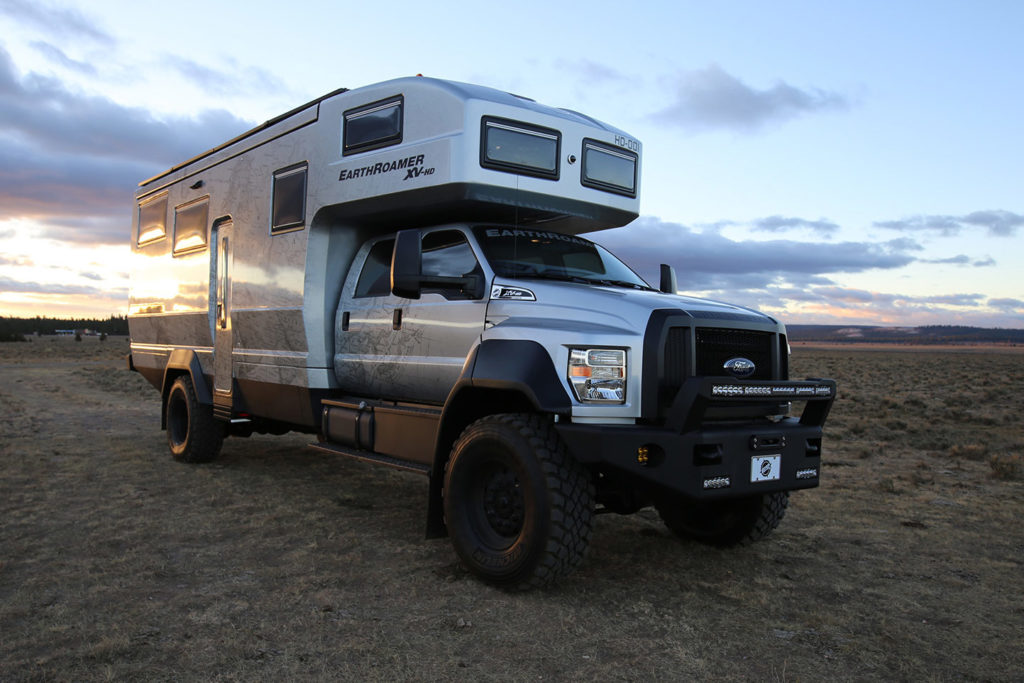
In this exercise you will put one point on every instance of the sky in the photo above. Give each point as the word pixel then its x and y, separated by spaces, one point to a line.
pixel 848 162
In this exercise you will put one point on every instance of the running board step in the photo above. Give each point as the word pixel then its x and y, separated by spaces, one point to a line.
pixel 368 456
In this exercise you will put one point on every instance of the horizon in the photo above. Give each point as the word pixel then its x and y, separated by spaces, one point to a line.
pixel 868 176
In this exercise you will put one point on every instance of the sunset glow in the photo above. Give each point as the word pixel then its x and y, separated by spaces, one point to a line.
pixel 826 164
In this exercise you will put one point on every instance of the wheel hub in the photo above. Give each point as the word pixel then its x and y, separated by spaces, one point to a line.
pixel 503 503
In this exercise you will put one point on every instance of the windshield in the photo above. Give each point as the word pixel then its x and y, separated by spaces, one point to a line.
pixel 535 254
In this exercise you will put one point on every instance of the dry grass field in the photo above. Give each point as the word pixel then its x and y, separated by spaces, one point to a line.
pixel 278 563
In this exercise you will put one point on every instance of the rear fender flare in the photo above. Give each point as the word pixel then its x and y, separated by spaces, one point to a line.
pixel 183 362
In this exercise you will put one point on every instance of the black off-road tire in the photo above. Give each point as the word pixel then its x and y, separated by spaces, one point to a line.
pixel 725 523
pixel 518 507
pixel 194 435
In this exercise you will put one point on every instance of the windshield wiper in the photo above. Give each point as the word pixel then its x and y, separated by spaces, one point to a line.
pixel 619 283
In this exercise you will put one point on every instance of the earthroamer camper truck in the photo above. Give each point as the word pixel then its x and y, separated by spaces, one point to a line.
pixel 398 270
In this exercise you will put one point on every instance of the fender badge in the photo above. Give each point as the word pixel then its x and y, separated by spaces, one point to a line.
pixel 507 293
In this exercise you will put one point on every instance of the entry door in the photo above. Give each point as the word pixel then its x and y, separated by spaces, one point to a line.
pixel 410 350
pixel 222 344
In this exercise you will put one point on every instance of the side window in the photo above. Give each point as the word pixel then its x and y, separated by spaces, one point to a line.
pixel 608 168
pixel 152 220
pixel 375 278
pixel 446 253
pixel 516 147
pixel 373 126
pixel 289 204
pixel 190 226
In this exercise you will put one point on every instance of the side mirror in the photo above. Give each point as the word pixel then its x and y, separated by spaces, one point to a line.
pixel 406 265
pixel 668 279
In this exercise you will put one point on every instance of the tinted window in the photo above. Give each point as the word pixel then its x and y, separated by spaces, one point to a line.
pixel 190 226
pixel 372 126
pixel 520 148
pixel 152 220
pixel 447 254
pixel 609 168
pixel 375 278
pixel 289 207
pixel 524 253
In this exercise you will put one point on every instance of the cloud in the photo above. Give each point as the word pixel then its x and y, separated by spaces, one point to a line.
pixel 708 260
pixel 592 72
pixel 72 161
pixel 710 98
pixel 794 280
pixel 1007 305
pixel 958 260
pixel 10 285
pixel 58 56
pixel 15 260
pixel 43 112
pixel 999 223
pixel 821 226
pixel 55 21
pixel 237 80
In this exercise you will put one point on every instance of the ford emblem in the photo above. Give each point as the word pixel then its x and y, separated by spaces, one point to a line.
pixel 739 367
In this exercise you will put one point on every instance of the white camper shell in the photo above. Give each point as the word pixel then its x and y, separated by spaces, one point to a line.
pixel 240 254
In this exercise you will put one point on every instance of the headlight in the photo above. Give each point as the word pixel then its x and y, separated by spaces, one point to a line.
pixel 598 375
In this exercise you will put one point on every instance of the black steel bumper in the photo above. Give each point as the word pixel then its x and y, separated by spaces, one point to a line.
pixel 709 460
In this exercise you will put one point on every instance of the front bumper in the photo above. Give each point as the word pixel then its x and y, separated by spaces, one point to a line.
pixel 714 460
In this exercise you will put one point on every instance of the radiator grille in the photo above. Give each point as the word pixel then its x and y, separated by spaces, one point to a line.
pixel 715 346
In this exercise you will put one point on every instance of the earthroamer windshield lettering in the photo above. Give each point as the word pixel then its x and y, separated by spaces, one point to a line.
pixel 534 235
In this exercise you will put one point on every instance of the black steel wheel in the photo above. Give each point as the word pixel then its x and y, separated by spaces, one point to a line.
pixel 193 433
pixel 517 506
pixel 725 522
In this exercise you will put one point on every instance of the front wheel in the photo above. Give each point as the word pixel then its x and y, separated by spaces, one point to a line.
pixel 193 433
pixel 725 522
pixel 518 507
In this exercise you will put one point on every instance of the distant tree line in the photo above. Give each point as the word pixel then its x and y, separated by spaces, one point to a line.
pixel 16 329
pixel 926 334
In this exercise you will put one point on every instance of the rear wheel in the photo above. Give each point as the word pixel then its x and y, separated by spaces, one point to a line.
pixel 193 434
pixel 517 506
pixel 725 522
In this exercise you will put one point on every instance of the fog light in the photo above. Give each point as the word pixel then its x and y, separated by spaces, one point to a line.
pixel 642 455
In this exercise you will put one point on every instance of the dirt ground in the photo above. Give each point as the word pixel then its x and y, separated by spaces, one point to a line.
pixel 276 562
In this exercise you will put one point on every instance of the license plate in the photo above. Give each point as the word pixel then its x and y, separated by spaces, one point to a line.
pixel 765 468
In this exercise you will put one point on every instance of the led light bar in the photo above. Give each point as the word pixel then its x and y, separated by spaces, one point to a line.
pixel 809 473
pixel 793 391
pixel 717 483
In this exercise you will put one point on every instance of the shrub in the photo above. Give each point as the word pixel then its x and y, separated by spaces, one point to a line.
pixel 971 451
pixel 1007 466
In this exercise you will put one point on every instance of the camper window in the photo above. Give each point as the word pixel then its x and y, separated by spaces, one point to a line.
pixel 373 126
pixel 152 220
pixel 190 226
pixel 608 168
pixel 521 148
pixel 289 209
pixel 375 278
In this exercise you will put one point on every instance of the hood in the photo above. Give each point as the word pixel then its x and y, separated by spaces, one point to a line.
pixel 570 305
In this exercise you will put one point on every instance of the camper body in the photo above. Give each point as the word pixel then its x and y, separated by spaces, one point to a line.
pixel 399 270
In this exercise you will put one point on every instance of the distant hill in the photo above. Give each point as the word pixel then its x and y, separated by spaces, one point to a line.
pixel 930 334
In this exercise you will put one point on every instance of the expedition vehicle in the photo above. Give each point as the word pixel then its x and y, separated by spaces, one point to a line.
pixel 398 269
